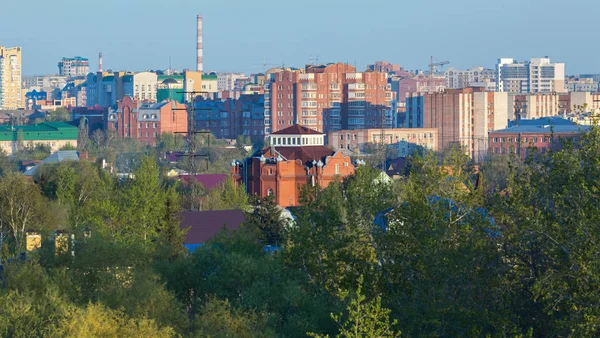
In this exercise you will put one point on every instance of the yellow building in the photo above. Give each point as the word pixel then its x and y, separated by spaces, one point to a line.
pixel 10 78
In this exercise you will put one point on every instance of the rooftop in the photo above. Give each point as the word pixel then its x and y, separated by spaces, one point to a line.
pixel 553 120
pixel 306 154
pixel 559 129
pixel 297 130
pixel 203 225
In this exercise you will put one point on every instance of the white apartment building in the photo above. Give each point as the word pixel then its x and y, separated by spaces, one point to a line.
pixel 141 86
pixel 226 81
pixel 538 75
pixel 474 77
pixel 46 82
pixel 73 67
pixel 582 85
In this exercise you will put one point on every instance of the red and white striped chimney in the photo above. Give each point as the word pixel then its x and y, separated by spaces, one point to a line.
pixel 199 60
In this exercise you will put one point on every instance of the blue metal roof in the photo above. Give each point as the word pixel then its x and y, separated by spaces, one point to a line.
pixel 551 120
pixel 548 128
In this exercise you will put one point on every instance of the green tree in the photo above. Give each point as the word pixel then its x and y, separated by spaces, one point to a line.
pixel 266 217
pixel 365 318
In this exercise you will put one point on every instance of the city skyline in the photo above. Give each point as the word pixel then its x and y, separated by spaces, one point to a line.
pixel 238 39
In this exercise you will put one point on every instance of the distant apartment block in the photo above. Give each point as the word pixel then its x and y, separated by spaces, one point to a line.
pixel 210 83
pixel 474 77
pixel 73 67
pixel 538 75
pixel 231 118
pixel 11 96
pixel 403 140
pixel 146 121
pixel 46 82
pixel 532 135
pixel 226 81
pixel 462 117
pixel 416 84
pixel 581 84
pixel 327 97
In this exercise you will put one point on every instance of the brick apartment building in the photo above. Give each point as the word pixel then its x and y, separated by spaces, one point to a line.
pixel 146 121
pixel 522 139
pixel 462 117
pixel 231 118
pixel 404 140
pixel 297 156
pixel 326 97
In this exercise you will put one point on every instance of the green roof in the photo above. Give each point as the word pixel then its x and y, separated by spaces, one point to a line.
pixel 47 131
pixel 209 77
pixel 108 78
pixel 175 77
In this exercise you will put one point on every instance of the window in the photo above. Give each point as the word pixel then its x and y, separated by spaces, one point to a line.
pixel 342 146
pixel 270 192
pixel 341 137
pixel 337 169
pixel 270 171
pixel 154 126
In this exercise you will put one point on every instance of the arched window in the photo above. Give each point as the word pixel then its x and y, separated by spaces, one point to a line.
pixel 270 192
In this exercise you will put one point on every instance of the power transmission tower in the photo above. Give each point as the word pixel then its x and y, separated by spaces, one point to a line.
pixel 191 139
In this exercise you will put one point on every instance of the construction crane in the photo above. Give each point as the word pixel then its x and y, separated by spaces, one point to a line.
pixel 432 66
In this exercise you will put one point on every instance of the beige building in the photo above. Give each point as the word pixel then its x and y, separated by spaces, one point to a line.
pixel 404 140
pixel 490 112
pixel 10 78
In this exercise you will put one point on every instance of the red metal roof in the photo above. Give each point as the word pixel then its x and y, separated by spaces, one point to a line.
pixel 203 225
pixel 209 181
pixel 305 153
pixel 297 130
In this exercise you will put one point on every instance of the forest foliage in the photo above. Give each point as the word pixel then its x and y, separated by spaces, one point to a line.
pixel 506 249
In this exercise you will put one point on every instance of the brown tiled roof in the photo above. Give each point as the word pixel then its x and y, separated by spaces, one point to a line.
pixel 306 153
pixel 203 225
pixel 297 130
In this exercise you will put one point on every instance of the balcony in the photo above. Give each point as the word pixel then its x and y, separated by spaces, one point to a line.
pixel 309 86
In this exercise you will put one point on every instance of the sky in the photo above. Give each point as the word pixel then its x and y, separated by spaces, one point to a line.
pixel 138 35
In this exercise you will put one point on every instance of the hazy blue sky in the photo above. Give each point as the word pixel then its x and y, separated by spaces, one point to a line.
pixel 140 34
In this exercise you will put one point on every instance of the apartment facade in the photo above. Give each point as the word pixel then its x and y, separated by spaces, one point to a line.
pixel 462 117
pixel 522 140
pixel 474 77
pixel 403 140
pixel 538 75
pixel 226 81
pixel 146 121
pixel 327 97
pixel 11 96
pixel 73 67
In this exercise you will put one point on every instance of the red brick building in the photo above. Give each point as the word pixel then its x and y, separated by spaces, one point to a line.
pixel 297 156
pixel 521 140
pixel 326 97
pixel 146 121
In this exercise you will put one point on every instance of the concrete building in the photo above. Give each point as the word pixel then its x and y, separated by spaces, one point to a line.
pixel 106 88
pixel 140 86
pixel 474 77
pixel 45 83
pixel 403 140
pixel 580 84
pixel 532 105
pixel 327 97
pixel 462 116
pixel 297 156
pixel 210 83
pixel 73 67
pixel 52 134
pixel 226 81
pixel 416 84
pixel 146 121
pixel 11 96
pixel 538 75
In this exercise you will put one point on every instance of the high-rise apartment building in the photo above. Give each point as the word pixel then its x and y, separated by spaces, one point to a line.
pixel 538 75
pixel 462 117
pixel 74 67
pixel 327 97
pixel 474 77
pixel 10 78
pixel 226 81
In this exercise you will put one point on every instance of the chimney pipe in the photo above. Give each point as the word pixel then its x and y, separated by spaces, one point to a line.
pixel 199 60
pixel 100 62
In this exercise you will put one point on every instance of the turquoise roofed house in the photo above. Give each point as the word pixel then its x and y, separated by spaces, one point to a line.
pixel 55 135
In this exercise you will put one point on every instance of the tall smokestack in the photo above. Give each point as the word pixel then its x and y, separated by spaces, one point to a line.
pixel 100 62
pixel 199 61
